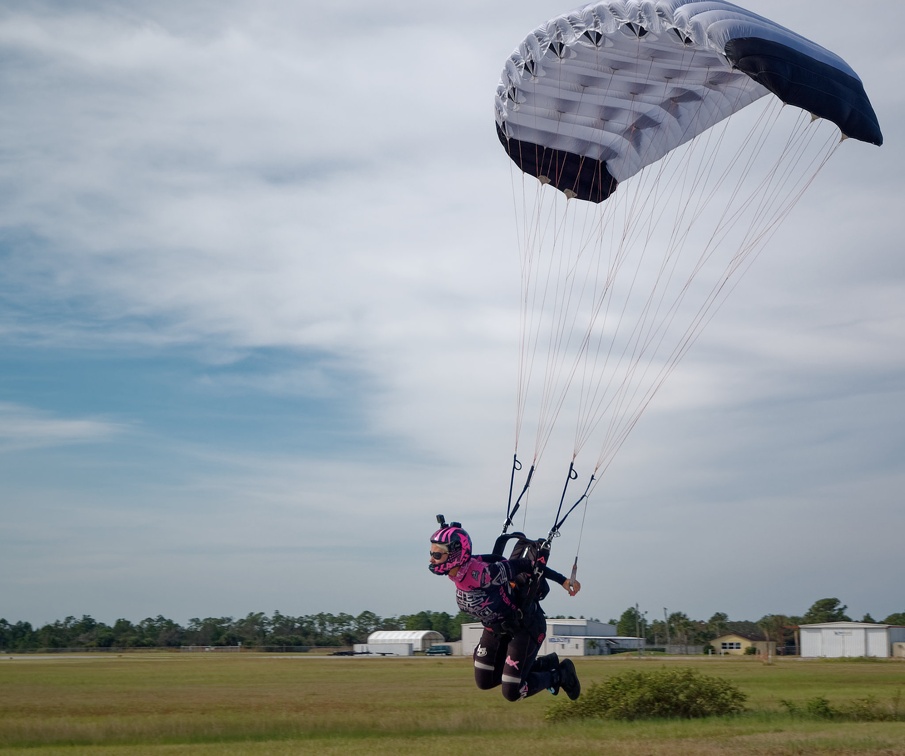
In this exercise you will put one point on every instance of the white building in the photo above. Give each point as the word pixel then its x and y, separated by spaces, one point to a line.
pixel 399 642
pixel 567 637
pixel 840 639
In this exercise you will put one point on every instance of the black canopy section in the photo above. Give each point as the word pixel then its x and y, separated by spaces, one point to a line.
pixel 799 80
pixel 585 178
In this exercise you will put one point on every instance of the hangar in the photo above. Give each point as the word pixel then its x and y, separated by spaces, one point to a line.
pixel 399 642
pixel 842 639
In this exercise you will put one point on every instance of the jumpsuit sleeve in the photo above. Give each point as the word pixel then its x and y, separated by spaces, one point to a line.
pixel 554 575
pixel 519 566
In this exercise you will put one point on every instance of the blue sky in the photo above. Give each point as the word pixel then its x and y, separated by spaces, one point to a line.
pixel 258 322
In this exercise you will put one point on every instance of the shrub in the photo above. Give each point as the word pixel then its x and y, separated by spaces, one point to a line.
pixel 820 708
pixel 668 693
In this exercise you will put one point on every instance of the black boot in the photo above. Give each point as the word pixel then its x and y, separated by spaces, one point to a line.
pixel 567 678
pixel 546 663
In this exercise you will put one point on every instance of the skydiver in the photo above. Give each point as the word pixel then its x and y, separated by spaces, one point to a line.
pixel 487 590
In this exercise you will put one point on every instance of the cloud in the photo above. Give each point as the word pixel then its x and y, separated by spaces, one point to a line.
pixel 23 428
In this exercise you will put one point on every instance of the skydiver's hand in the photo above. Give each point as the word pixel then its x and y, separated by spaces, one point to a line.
pixel 572 586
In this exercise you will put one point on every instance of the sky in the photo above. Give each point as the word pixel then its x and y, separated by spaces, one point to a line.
pixel 259 322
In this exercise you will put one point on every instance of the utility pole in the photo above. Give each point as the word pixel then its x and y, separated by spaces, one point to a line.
pixel 666 622
pixel 638 628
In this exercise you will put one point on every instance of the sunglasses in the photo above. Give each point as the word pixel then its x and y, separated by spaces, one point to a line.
pixel 438 555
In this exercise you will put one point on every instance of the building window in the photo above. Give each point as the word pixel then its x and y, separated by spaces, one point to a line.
pixel 731 646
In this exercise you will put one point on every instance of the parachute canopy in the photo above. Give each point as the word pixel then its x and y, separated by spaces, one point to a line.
pixel 593 96
pixel 684 105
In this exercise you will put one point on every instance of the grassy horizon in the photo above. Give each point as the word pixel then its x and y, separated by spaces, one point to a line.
pixel 280 704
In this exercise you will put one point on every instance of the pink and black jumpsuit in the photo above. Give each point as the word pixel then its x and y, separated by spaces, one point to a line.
pixel 512 635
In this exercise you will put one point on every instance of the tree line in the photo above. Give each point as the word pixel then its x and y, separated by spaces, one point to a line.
pixel 257 630
pixel 678 629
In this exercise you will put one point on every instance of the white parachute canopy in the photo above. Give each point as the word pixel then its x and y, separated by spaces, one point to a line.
pixel 639 201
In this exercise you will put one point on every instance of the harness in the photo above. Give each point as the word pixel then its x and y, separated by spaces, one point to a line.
pixel 527 593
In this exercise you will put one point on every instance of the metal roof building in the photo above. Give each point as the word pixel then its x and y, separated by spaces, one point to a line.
pixel 846 639
pixel 418 640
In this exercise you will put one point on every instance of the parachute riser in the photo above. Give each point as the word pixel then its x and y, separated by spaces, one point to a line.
pixel 580 499
pixel 558 522
pixel 510 508
pixel 573 475
pixel 516 466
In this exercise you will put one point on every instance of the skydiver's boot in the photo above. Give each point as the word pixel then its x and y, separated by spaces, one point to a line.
pixel 546 663
pixel 566 678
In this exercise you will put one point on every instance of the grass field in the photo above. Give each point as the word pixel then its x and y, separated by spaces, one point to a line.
pixel 271 704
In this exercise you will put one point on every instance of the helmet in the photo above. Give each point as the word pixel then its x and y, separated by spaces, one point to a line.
pixel 459 544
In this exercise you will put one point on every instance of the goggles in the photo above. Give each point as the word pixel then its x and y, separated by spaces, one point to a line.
pixel 438 555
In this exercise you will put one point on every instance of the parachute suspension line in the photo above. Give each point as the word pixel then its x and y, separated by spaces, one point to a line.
pixel 595 394
pixel 656 316
pixel 654 336
pixel 521 379
pixel 582 277
pixel 654 325
pixel 591 359
pixel 562 287
pixel 779 192
pixel 560 282
pixel 536 280
pixel 527 242
pixel 568 288
pixel 550 285
pixel 536 287
pixel 532 246
pixel 584 514
pixel 644 337
pixel 531 243
pixel 601 307
pixel 775 189
pixel 539 275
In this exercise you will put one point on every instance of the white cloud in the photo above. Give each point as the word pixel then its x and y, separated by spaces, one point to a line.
pixel 23 428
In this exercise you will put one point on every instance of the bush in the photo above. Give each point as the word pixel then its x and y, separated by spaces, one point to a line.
pixel 668 693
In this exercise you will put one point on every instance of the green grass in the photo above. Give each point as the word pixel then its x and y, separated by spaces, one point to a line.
pixel 271 704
